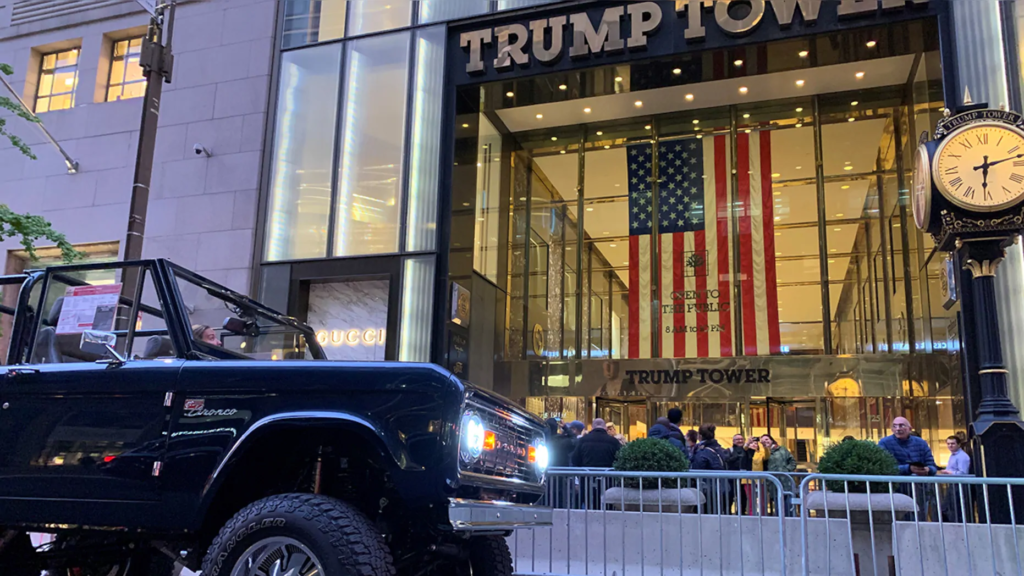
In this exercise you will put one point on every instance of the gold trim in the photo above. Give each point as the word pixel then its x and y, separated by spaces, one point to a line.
pixel 994 371
pixel 980 269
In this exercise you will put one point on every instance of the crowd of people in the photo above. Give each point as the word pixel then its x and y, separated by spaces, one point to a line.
pixel 570 445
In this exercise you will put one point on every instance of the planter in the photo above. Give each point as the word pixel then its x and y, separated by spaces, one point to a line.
pixel 653 500
pixel 866 511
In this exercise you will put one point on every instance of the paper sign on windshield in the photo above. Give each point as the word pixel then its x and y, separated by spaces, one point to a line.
pixel 88 308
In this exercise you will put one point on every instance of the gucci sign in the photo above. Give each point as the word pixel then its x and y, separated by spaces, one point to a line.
pixel 351 337
pixel 544 39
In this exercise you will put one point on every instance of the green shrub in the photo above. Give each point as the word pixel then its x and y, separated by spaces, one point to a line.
pixel 651 455
pixel 858 457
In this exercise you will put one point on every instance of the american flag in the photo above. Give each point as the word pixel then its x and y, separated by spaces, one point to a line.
pixel 692 316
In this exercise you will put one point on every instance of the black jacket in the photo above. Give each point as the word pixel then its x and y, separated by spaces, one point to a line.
pixel 709 456
pixel 737 457
pixel 561 447
pixel 595 450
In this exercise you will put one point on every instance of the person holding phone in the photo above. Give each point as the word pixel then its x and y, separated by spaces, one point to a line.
pixel 912 453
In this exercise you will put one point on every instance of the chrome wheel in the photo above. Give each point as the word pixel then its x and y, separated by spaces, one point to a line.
pixel 278 556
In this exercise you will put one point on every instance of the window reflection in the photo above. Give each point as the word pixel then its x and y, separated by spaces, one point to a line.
pixel 300 199
pixel 366 16
pixel 372 155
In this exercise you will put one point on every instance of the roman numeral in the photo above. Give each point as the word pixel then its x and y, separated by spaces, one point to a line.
pixel 988 195
pixel 1013 150
pixel 1018 178
pixel 1018 163
pixel 1000 139
pixel 969 193
pixel 983 139
pixel 955 156
pixel 952 170
pixel 956 182
pixel 967 145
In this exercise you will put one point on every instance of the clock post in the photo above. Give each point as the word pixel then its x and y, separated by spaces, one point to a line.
pixel 969 195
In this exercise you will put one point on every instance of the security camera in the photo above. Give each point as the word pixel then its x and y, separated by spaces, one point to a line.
pixel 201 150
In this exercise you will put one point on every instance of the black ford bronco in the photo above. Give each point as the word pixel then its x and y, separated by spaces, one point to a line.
pixel 150 416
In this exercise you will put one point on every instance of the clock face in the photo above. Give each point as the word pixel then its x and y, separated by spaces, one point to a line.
pixel 981 166
pixel 922 187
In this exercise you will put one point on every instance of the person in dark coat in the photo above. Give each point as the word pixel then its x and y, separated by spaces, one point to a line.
pixel 663 432
pixel 596 449
pixel 561 444
pixel 710 456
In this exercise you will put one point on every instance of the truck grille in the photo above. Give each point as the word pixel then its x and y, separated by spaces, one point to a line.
pixel 514 435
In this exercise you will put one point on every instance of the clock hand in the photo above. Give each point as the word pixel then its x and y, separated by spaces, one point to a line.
pixel 984 175
pixel 988 164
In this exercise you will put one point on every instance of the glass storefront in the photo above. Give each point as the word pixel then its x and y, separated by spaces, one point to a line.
pixel 726 232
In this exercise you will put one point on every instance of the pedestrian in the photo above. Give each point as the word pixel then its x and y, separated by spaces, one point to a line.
pixel 914 457
pixel 912 453
pixel 660 430
pixel 710 456
pixel 848 438
pixel 959 465
pixel 675 416
pixel 780 462
pixel 614 433
pixel 577 428
pixel 561 444
pixel 691 441
pixel 734 463
pixel 597 449
pixel 753 492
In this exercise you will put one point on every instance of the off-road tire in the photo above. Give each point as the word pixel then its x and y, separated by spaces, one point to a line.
pixel 490 556
pixel 341 537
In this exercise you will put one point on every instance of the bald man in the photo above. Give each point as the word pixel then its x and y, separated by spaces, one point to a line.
pixel 912 453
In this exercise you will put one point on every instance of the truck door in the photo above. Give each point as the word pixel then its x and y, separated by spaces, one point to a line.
pixel 83 438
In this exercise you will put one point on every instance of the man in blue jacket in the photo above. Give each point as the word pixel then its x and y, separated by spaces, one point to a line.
pixel 912 453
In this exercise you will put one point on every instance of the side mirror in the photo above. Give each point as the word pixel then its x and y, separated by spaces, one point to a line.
pixel 101 344
pixel 241 327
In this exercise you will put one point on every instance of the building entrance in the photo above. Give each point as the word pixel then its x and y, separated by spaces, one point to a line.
pixel 630 417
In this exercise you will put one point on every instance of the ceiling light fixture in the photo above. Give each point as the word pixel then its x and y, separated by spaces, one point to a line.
pixel 743 89
pixel 799 167
pixel 689 97
pixel 837 229
pixel 851 119
pixel 562 152
pixel 586 110
pixel 776 175
pixel 803 53
pixel 677 71
pixel 859 75
pixel 848 168
pixel 747 131
pixel 607 147
pixel 799 110
pixel 540 116
pixel 777 218
pixel 639 104
pixel 465 125
pixel 854 103
pixel 618 78
pixel 747 115
pixel 510 94
pixel 648 127
pixel 738 63
pixel 590 209
pixel 696 121
pixel 846 187
pixel 839 215
pixel 612 245
pixel 800 83
pixel 599 133
pixel 799 125
pixel 465 203
pixel 872 44
pixel 554 138
pixel 700 136
pixel 563 87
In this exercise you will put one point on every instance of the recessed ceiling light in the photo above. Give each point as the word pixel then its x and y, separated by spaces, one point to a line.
pixel 639 104
pixel 854 103
pixel 799 167
pixel 590 209
pixel 612 245
pixel 799 109
pixel 510 94
pixel 779 254
pixel 599 133
pixel 872 44
pixel 800 83
pixel 851 119
pixel 606 233
pixel 778 193
pixel 563 87
pixel 465 125
pixel 848 168
pixel 743 89
pixel 554 138
pixel 648 127
pixel 747 131
pixel 799 125
pixel 738 63
pixel 836 229
pixel 562 152
pixel 803 53
pixel 776 175
pixel 747 115
pixel 586 110
pixel 831 261
pixel 689 97
pixel 859 75
pixel 465 203
pixel 618 78
pixel 777 218
pixel 607 147
pixel 522 198
pixel 778 233
pixel 699 136
pixel 833 250
pixel 696 121
pixel 839 215
pixel 478 220
pixel 540 116
pixel 624 263
pixel 846 187
pixel 848 162
pixel 677 71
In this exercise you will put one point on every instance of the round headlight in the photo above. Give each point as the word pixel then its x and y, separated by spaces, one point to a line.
pixel 472 436
pixel 542 457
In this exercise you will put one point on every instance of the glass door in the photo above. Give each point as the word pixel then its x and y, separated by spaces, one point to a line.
pixel 793 424
pixel 629 417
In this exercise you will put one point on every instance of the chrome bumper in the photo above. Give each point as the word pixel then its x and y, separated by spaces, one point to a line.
pixel 491 516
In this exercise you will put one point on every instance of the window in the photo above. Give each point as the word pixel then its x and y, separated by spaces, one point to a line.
pixel 58 78
pixel 312 21
pixel 367 16
pixel 126 79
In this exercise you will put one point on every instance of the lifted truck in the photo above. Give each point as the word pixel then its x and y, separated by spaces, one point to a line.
pixel 137 436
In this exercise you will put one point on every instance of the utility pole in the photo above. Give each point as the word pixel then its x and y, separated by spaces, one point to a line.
pixel 157 62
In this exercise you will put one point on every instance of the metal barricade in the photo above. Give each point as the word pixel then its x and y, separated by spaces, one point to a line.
pixel 910 525
pixel 610 523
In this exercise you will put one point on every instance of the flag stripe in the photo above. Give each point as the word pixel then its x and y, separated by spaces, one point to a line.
pixel 723 227
pixel 668 258
pixel 689 285
pixel 771 276
pixel 677 281
pixel 711 241
pixel 646 296
pixel 746 257
pixel 760 311
pixel 702 286
pixel 634 297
